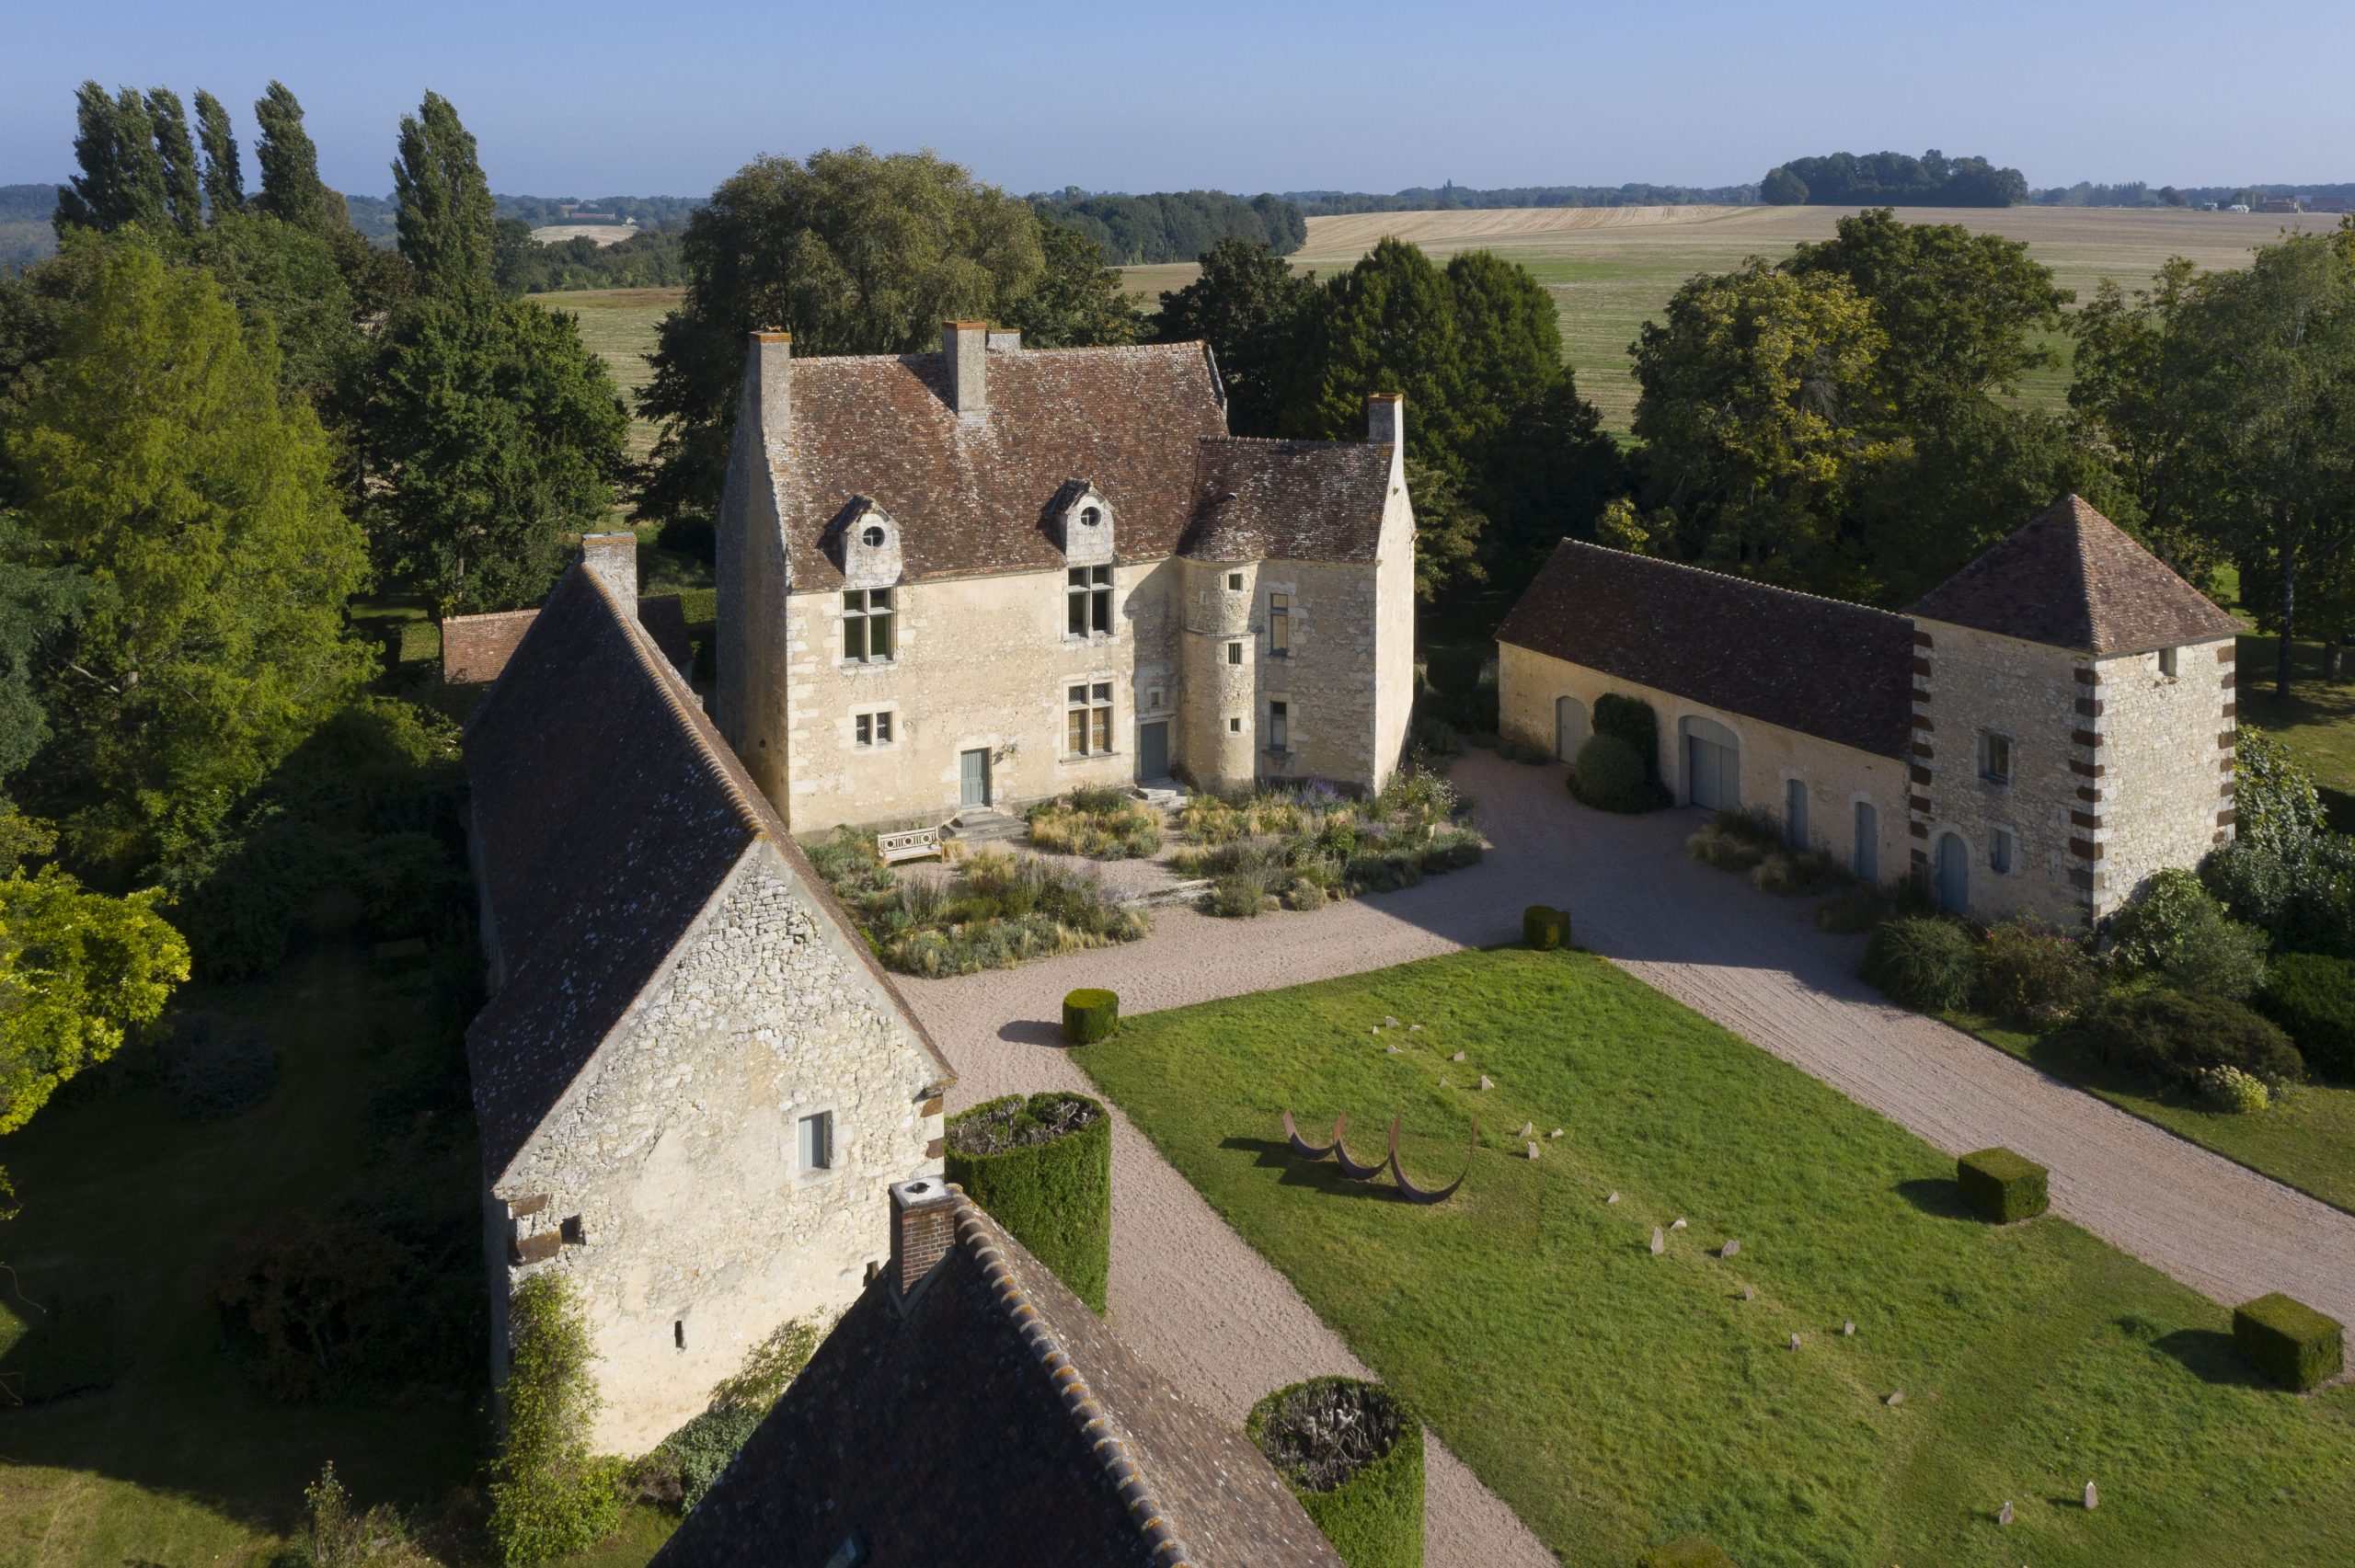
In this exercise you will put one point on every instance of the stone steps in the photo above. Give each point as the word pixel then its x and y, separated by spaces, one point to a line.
pixel 982 826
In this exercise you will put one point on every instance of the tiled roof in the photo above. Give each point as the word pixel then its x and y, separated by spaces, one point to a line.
pixel 1839 671
pixel 476 647
pixel 1298 500
pixel 2074 579
pixel 972 496
pixel 998 1422
pixel 606 811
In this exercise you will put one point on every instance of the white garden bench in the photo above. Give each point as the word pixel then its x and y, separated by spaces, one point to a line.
pixel 916 843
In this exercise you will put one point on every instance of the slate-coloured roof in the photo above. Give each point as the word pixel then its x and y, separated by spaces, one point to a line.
pixel 971 496
pixel 2073 578
pixel 476 647
pixel 606 811
pixel 1839 671
pixel 997 1422
pixel 1297 500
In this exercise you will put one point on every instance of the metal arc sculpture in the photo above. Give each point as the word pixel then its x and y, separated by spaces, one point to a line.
pixel 1311 1152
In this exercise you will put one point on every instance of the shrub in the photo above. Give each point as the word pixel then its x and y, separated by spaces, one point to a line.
pixel 549 1495
pixel 1714 844
pixel 1352 1453
pixel 2032 974
pixel 2288 1341
pixel 1923 962
pixel 1090 1015
pixel 2235 1093
pixel 1544 927
pixel 1853 909
pixel 335 1537
pixel 1610 777
pixel 1454 668
pixel 2174 928
pixel 2312 997
pixel 1452 849
pixel 1042 1168
pixel 682 1468
pixel 1516 751
pixel 310 1308
pixel 1102 823
pixel 1239 895
pixel 1798 874
pixel 2170 1038
pixel 1433 736
pixel 2000 1185
pixel 1632 720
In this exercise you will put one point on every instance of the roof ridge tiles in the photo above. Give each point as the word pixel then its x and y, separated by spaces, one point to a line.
pixel 1318 441
pixel 650 661
pixel 1109 1447
pixel 1735 577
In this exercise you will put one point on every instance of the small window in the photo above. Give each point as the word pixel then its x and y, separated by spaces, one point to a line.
pixel 1087 719
pixel 866 625
pixel 1278 726
pixel 818 1141
pixel 1234 726
pixel 1235 653
pixel 873 536
pixel 1234 582
pixel 871 729
pixel 2167 662
pixel 1280 625
pixel 1090 516
pixel 1999 852
pixel 1087 602
pixel 679 1332
pixel 1995 758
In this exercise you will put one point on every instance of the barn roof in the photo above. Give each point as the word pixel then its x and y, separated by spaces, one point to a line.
pixel 995 1420
pixel 2073 578
pixel 606 813
pixel 1835 670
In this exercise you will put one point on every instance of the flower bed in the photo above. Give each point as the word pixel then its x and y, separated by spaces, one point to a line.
pixel 995 911
pixel 1298 849
pixel 1103 824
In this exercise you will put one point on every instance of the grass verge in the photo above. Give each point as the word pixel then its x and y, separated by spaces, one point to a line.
pixel 1617 1400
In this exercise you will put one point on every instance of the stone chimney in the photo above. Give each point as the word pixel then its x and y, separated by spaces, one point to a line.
pixel 1005 340
pixel 1385 418
pixel 924 1227
pixel 964 346
pixel 614 557
pixel 772 370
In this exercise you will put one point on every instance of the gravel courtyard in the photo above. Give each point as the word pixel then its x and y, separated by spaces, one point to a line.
pixel 1199 1305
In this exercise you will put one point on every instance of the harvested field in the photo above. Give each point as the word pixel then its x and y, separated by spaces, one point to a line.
pixel 618 325
pixel 603 234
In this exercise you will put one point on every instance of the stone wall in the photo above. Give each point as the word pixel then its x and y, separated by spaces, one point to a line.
pixel 1392 657
pixel 675 1162
pixel 1836 777
pixel 749 702
pixel 1220 711
pixel 2166 752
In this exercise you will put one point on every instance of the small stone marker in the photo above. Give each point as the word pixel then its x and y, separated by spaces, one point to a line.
pixel 1412 1027
pixel 1457 1057
pixel 1677 1224
pixel 1533 1151
pixel 1613 1198
pixel 1556 1133
pixel 1896 1396
pixel 1750 1293
pixel 1443 1082
pixel 1388 1021
pixel 2092 1498
pixel 1527 1129
pixel 1849 1328
pixel 1795 1342
pixel 1487 1081
pixel 1660 1243
pixel 1729 1249
pixel 1377 1028
pixel 1390 1050
pixel 2005 1517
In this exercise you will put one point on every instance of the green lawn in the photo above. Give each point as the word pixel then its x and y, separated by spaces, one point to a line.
pixel 2317 723
pixel 2307 1141
pixel 1615 1398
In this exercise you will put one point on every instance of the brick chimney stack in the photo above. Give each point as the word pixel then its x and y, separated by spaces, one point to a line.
pixel 924 1227
pixel 965 346
pixel 614 557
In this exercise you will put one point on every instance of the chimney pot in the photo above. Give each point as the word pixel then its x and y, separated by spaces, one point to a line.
pixel 924 1227
pixel 614 557
pixel 964 348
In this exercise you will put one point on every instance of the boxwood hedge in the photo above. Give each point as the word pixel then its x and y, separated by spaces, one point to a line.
pixel 1090 1015
pixel 1543 927
pixel 2288 1341
pixel 2002 1186
pixel 1365 1492
pixel 1042 1168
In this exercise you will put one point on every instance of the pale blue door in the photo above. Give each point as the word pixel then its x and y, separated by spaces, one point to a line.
pixel 972 778
pixel 1953 875
pixel 1866 865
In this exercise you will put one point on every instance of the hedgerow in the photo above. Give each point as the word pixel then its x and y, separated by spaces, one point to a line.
pixel 1042 1168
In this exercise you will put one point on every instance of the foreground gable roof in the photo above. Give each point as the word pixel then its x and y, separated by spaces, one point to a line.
pixel 994 1421
pixel 1823 668
pixel 1289 499
pixel 2071 578
pixel 607 812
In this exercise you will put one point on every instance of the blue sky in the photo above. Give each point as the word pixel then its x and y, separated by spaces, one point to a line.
pixel 583 97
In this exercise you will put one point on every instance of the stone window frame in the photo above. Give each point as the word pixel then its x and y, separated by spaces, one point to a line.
pixel 1094 713
pixel 1234 652
pixel 1234 724
pixel 1280 725
pixel 867 617
pixel 1234 582
pixel 2003 850
pixel 1280 625
pixel 1088 595
pixel 803 1173
pixel 1989 740
pixel 2170 663
pixel 882 727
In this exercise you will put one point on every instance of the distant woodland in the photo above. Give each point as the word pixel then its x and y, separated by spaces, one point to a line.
pixel 1430 199
pixel 1892 179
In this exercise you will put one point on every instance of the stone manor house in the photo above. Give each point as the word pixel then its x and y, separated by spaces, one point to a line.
pixel 979 578
pixel 2041 731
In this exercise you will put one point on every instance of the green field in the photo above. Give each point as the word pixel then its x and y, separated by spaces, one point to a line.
pixel 618 326
pixel 1616 1399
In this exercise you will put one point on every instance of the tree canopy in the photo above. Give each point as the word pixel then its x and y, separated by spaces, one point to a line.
pixel 1893 179
pixel 1244 304
pixel 1174 225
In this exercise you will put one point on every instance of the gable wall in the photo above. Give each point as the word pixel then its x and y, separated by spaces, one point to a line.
pixel 679 1155
pixel 1332 682
pixel 2167 745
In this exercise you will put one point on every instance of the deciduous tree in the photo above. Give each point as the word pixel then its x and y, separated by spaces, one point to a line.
pixel 446 221
pixel 1245 303
pixel 121 177
pixel 1078 301
pixel 225 175
pixel 291 188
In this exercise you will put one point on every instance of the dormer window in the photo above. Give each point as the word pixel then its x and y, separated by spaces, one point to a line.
pixel 870 547
pixel 1084 517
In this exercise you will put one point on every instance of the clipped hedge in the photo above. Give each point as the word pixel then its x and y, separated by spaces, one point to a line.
pixel 1364 1489
pixel 2002 1186
pixel 2312 999
pixel 1090 1015
pixel 2288 1341
pixel 1042 1168
pixel 1610 775
pixel 2172 1038
pixel 1630 719
pixel 1690 1552
pixel 1544 927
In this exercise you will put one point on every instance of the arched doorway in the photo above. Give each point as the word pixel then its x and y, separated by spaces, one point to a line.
pixel 1866 863
pixel 1569 728
pixel 1953 875
pixel 1712 765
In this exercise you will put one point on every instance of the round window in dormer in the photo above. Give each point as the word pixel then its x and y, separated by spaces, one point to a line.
pixel 873 537
pixel 1091 516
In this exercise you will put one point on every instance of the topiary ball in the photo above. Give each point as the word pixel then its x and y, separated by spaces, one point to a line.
pixel 1543 927
pixel 1090 1015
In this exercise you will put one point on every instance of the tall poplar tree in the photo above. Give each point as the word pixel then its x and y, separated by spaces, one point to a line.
pixel 121 177
pixel 224 176
pixel 447 221
pixel 291 189
pixel 176 158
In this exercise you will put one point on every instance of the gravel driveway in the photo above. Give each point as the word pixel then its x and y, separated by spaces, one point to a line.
pixel 1195 1301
